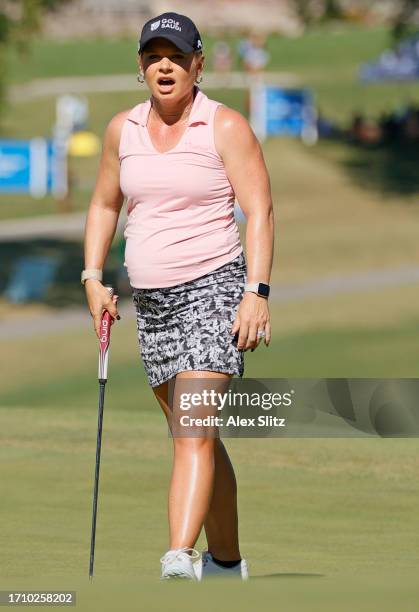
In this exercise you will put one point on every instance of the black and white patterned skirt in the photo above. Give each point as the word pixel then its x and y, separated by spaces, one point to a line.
pixel 187 326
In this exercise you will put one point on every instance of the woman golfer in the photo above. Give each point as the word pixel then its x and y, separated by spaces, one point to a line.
pixel 180 159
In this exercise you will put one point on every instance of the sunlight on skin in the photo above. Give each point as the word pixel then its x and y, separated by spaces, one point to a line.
pixel 203 488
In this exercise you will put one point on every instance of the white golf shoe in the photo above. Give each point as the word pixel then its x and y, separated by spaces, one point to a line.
pixel 206 567
pixel 177 563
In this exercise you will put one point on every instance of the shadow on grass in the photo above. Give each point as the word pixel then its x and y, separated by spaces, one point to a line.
pixel 66 289
pixel 391 168
pixel 286 575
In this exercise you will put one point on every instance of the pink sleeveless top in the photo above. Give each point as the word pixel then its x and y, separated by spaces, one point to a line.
pixel 180 222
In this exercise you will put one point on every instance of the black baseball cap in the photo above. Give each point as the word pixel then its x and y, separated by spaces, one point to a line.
pixel 179 29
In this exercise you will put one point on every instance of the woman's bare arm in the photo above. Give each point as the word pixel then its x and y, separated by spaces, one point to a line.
pixel 102 219
pixel 246 170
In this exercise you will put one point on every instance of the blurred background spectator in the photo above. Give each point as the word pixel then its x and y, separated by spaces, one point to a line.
pixel 254 57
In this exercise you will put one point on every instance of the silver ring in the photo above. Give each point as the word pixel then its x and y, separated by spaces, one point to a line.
pixel 261 333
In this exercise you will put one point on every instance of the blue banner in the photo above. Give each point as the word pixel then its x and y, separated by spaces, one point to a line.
pixel 34 166
pixel 276 111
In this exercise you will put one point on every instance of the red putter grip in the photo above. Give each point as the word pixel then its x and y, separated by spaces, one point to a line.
pixel 104 341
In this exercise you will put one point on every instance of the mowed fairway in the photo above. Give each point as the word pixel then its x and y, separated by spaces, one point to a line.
pixel 316 515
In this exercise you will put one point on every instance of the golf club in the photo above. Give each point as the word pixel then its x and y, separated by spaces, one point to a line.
pixel 104 341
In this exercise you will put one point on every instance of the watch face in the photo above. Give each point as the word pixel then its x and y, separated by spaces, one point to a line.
pixel 263 290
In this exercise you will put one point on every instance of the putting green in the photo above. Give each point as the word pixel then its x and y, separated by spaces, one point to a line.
pixel 321 520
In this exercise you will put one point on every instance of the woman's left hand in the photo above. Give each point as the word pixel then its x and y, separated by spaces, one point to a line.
pixel 252 316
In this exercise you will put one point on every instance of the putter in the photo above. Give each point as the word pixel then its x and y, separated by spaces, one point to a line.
pixel 104 341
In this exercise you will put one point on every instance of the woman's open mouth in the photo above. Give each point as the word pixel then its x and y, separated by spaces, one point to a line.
pixel 165 83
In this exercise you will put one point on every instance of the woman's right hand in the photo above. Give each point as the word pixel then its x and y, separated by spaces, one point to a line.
pixel 99 299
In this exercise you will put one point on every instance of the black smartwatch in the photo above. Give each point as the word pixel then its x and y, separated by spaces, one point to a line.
pixel 262 289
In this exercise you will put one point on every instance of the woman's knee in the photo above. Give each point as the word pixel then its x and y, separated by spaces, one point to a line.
pixel 194 445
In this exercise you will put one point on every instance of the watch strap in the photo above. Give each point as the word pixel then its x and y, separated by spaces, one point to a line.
pixel 261 289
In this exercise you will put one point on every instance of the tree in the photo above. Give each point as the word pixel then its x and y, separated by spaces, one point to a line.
pixel 316 10
pixel 332 9
pixel 406 18
pixel 404 22
pixel 19 20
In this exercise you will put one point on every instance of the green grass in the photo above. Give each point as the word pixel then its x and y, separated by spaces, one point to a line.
pixel 347 45
pixel 326 523
pixel 316 515
pixel 64 377
pixel 325 58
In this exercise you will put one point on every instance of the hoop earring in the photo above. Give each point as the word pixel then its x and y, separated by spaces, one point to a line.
pixel 140 77
pixel 200 79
